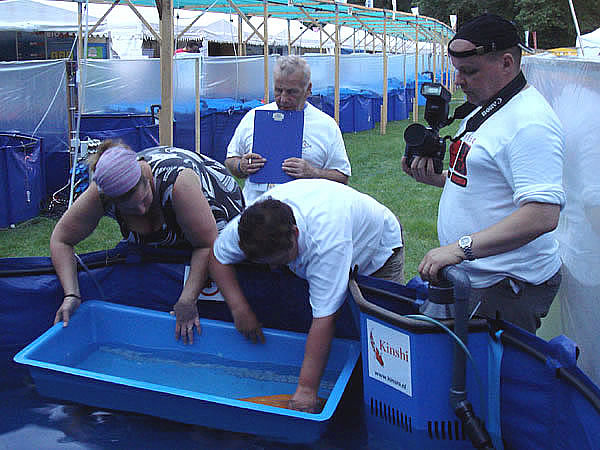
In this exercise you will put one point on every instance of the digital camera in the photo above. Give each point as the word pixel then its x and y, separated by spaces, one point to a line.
pixel 423 141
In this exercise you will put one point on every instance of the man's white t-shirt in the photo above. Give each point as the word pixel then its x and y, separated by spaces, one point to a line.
pixel 515 157
pixel 339 228
pixel 322 145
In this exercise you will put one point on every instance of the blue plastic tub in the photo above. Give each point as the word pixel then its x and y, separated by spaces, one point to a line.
pixel 126 358
pixel 407 369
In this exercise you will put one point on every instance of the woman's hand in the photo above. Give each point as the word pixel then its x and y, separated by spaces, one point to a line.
pixel 67 309
pixel 186 314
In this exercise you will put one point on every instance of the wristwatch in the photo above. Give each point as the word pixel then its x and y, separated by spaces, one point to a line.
pixel 465 243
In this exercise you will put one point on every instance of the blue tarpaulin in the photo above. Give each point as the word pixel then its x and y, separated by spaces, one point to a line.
pixel 22 180
pixel 540 405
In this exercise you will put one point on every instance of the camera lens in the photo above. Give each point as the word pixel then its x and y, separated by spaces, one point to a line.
pixel 415 134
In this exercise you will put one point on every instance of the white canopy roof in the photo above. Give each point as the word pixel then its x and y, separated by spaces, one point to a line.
pixel 30 15
pixel 591 43
pixel 127 31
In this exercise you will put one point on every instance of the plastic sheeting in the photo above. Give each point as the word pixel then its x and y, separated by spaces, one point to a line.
pixel 137 82
pixel 33 102
pixel 33 97
pixel 572 87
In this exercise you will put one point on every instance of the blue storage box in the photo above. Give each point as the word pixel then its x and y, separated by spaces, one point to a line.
pixel 126 358
pixel 407 368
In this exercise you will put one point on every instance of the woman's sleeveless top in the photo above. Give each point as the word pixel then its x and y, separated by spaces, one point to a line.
pixel 219 187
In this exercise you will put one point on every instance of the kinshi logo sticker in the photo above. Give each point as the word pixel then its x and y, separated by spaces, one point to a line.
pixel 389 356
pixel 374 347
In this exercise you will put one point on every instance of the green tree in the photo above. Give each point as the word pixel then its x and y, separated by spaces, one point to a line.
pixel 465 9
pixel 550 19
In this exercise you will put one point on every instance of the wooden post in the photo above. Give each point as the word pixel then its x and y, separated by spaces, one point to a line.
pixel 166 70
pixel 448 71
pixel 289 37
pixel 404 60
pixel 416 102
pixel 79 38
pixel 383 123
pixel 442 62
pixel 320 40
pixel 197 105
pixel 434 62
pixel 337 66
pixel 451 75
pixel 240 40
pixel 266 49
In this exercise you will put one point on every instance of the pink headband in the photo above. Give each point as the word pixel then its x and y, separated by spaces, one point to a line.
pixel 117 171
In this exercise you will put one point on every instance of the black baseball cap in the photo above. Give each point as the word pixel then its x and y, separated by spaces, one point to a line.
pixel 489 33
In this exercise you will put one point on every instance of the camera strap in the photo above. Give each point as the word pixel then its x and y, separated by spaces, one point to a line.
pixel 491 107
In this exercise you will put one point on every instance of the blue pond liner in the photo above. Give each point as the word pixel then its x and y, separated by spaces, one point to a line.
pixel 125 358
pixel 21 177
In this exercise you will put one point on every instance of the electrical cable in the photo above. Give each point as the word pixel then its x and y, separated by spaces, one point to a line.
pixel 80 261
pixel 461 345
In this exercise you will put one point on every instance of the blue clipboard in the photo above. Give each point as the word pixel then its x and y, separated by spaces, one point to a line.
pixel 277 136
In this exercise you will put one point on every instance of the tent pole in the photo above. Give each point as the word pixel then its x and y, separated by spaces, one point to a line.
pixel 337 65
pixel 97 24
pixel 320 40
pixel 289 37
pixel 443 61
pixel 449 82
pixel 165 14
pixel 79 36
pixel 576 27
pixel 434 44
pixel 416 103
pixel 240 40
pixel 197 105
pixel 404 61
pixel 384 106
pixel 266 49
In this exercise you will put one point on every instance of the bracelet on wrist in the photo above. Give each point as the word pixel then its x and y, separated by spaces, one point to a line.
pixel 72 295
pixel 240 167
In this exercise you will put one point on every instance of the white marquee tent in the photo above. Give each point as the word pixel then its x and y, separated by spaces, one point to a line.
pixel 127 31
pixel 591 43
pixel 30 15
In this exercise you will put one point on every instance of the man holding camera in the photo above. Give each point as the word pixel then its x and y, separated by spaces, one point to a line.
pixel 502 193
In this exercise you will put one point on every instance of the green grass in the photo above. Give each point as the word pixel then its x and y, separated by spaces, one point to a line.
pixel 376 170
pixel 32 238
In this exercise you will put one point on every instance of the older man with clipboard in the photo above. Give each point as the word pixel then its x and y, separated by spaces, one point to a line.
pixel 288 138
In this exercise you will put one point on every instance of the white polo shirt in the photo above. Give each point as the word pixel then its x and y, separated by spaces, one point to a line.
pixel 322 145
pixel 339 228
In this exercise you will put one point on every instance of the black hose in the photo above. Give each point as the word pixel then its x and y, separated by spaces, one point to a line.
pixel 561 372
pixel 463 409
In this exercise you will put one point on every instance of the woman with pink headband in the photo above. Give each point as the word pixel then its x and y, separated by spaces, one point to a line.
pixel 163 197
